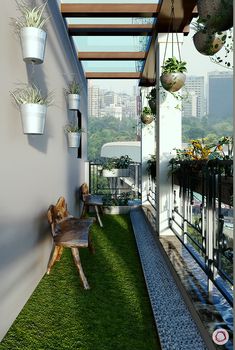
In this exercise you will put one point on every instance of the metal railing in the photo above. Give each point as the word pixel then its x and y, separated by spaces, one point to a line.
pixel 202 219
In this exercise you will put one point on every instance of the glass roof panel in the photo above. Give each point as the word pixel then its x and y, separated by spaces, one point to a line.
pixel 112 66
pixel 113 20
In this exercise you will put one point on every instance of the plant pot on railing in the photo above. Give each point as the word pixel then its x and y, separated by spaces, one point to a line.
pixel 217 15
pixel 208 43
pixel 33 42
pixel 116 172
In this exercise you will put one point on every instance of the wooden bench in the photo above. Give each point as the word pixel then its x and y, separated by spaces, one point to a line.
pixel 90 200
pixel 71 232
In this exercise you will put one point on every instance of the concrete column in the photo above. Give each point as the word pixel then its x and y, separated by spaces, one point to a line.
pixel 168 135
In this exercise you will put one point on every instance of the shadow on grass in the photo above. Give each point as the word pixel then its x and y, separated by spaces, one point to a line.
pixel 114 314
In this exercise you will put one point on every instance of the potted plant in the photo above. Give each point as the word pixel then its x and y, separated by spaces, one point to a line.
pixel 73 133
pixel 147 116
pixel 33 108
pixel 30 28
pixel 151 97
pixel 173 77
pixel 151 167
pixel 117 167
pixel 217 15
pixel 206 41
pixel 73 96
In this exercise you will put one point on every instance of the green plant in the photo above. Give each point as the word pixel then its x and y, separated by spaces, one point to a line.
pixel 30 17
pixel 73 88
pixel 172 65
pixel 117 163
pixel 31 94
pixel 147 110
pixel 152 94
pixel 151 166
pixel 73 128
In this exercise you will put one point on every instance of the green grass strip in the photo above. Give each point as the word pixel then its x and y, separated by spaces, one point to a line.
pixel 114 314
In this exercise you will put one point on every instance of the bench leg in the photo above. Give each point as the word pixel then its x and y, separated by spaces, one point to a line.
pixel 90 244
pixel 76 257
pixel 60 251
pixel 55 254
pixel 98 216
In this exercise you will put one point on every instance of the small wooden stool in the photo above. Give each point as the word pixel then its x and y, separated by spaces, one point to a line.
pixel 71 232
pixel 90 200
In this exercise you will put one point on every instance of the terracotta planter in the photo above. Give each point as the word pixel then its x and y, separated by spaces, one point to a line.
pixel 209 44
pixel 73 102
pixel 33 42
pixel 147 118
pixel 173 81
pixel 218 14
pixel 74 139
pixel 33 118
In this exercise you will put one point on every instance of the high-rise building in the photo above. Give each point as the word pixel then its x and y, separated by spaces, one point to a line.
pixel 220 95
pixel 194 105
pixel 93 100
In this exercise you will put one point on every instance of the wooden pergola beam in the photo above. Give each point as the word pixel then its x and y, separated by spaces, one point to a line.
pixel 112 56
pixel 110 29
pixel 113 75
pixel 110 10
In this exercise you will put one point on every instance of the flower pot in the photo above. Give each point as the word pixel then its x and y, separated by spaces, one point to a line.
pixel 33 41
pixel 73 101
pixel 147 118
pixel 217 14
pixel 116 172
pixel 74 139
pixel 207 43
pixel 33 118
pixel 172 81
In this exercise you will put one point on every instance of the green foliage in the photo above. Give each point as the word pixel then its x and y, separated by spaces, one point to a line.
pixel 122 199
pixel 73 128
pixel 146 111
pixel 117 163
pixel 108 129
pixel 172 65
pixel 114 314
pixel 151 166
pixel 30 17
pixel 73 88
pixel 31 94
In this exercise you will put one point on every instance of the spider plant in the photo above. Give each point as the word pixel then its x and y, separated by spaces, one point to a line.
pixel 31 94
pixel 73 88
pixel 73 128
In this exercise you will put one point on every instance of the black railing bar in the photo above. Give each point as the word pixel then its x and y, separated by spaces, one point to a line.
pixel 206 270
pixel 225 275
pixel 188 222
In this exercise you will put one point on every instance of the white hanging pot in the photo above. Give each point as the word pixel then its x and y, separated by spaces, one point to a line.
pixel 33 42
pixel 74 139
pixel 173 81
pixel 217 14
pixel 73 101
pixel 209 43
pixel 33 118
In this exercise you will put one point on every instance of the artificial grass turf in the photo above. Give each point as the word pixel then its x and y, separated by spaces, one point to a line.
pixel 114 314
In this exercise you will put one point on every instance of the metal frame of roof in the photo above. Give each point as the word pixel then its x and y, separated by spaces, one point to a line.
pixel 184 10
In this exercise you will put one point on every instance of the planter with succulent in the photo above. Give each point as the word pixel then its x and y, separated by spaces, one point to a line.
pixel 33 108
pixel 117 167
pixel 217 15
pixel 73 133
pixel 173 77
pixel 147 115
pixel 73 95
pixel 29 26
pixel 207 41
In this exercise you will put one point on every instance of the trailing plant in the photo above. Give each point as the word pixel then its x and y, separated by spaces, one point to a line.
pixel 31 94
pixel 73 88
pixel 30 17
pixel 117 163
pixel 172 65
pixel 73 128
pixel 225 59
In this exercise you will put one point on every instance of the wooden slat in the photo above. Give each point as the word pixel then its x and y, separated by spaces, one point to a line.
pixel 113 75
pixel 110 29
pixel 112 56
pixel 110 10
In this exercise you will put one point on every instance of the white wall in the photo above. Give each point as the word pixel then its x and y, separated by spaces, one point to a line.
pixel 35 169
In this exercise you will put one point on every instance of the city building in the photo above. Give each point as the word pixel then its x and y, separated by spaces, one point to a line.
pixel 93 100
pixel 194 104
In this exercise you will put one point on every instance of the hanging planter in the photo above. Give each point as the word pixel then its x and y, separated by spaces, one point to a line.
pixel 147 116
pixel 173 77
pixel 73 133
pixel 33 108
pixel 33 42
pixel 33 38
pixel 151 97
pixel 208 43
pixel 73 97
pixel 217 15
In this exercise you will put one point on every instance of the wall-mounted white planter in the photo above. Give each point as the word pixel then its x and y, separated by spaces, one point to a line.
pixel 73 101
pixel 33 118
pixel 33 42
pixel 116 172
pixel 74 139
